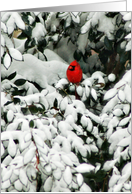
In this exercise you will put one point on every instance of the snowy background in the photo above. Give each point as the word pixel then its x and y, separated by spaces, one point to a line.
pixel 49 140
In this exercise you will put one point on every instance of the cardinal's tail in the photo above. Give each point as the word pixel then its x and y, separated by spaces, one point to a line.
pixel 76 94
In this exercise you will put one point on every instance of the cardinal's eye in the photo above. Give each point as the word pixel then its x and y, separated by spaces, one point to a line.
pixel 71 68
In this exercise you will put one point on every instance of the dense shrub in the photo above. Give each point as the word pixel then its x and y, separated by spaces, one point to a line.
pixel 50 141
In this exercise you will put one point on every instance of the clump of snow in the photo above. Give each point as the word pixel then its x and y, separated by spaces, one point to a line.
pixel 35 70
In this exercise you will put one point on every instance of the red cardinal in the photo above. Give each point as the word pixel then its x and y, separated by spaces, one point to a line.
pixel 74 74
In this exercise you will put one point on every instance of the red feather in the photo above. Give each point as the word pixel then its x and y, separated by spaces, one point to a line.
pixel 74 75
pixel 74 72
